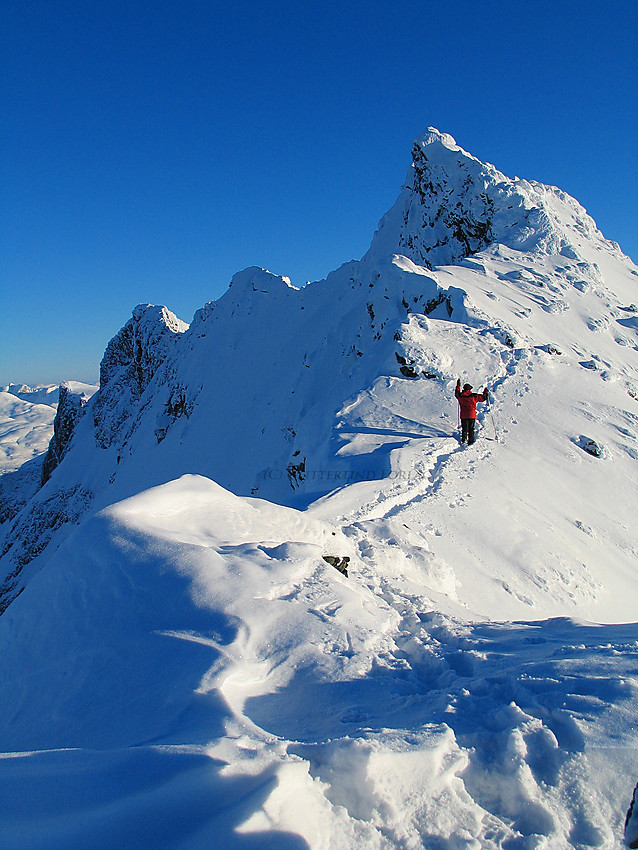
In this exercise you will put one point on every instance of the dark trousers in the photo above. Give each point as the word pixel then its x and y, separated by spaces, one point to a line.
pixel 467 431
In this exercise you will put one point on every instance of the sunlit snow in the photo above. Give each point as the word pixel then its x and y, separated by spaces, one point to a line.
pixel 182 667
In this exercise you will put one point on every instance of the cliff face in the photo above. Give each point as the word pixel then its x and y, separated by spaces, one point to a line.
pixel 130 361
pixel 70 408
pixel 132 358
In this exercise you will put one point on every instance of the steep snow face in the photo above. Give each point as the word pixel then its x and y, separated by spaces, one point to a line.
pixel 453 205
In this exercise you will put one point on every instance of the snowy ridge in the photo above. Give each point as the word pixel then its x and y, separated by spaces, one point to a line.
pixel 453 690
pixel 47 394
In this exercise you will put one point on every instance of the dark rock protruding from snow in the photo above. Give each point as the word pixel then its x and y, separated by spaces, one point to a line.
pixel 70 409
pixel 591 447
pixel 452 205
pixel 130 361
pixel 140 346
pixel 338 562
pixel 631 822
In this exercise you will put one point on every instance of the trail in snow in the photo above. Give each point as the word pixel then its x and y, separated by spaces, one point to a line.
pixel 196 657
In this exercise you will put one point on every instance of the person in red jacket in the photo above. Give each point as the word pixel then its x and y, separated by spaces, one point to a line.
pixel 467 402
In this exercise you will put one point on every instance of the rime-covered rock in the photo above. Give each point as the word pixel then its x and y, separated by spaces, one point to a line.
pixel 452 205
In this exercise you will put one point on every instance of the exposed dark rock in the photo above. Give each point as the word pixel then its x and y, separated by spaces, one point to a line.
pixel 70 408
pixel 296 472
pixel 32 532
pixel 408 372
pixel 631 822
pixel 591 447
pixel 178 405
pixel 338 563
pixel 464 215
pixel 433 303
pixel 130 362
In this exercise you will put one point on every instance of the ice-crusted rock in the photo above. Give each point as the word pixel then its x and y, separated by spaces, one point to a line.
pixel 453 205
pixel 70 408
pixel 130 361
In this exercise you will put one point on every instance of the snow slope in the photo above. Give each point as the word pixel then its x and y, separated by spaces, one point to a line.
pixel 185 647
pixel 215 683
pixel 25 430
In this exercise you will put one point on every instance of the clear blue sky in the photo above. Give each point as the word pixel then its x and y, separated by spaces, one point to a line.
pixel 151 149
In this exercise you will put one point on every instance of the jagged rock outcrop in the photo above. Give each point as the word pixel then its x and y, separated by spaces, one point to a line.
pixel 453 205
pixel 32 531
pixel 70 408
pixel 130 361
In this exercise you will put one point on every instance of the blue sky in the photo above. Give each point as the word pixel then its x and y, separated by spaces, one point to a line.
pixel 149 150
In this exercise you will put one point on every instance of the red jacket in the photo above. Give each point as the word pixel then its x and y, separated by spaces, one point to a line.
pixel 468 400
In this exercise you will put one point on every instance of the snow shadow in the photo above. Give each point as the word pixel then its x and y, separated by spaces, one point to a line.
pixel 105 727
pixel 548 668
pixel 426 431
pixel 132 798
pixel 519 698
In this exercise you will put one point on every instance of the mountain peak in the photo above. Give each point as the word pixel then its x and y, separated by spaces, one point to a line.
pixel 432 136
pixel 452 205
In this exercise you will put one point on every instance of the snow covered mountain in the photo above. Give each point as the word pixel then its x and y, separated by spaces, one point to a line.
pixel 25 430
pixel 448 690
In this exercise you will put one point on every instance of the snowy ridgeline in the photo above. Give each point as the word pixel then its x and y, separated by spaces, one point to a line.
pixel 192 655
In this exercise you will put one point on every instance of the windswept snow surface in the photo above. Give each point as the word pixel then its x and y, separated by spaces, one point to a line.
pixel 181 667
pixel 189 672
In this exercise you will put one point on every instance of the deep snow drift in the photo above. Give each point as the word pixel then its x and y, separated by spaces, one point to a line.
pixel 174 636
